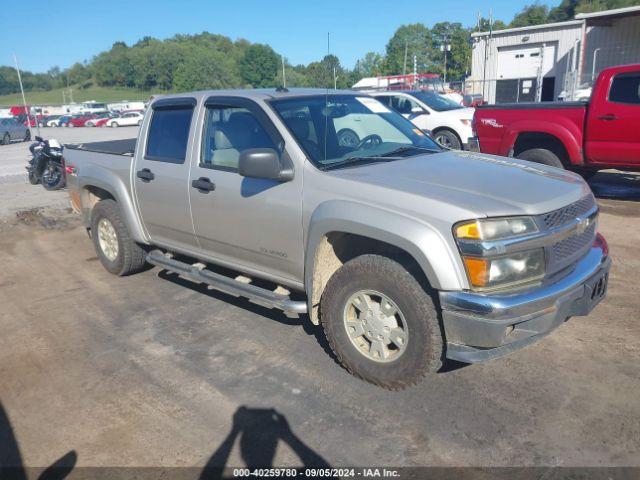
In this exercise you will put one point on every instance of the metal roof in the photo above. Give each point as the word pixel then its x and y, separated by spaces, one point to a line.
pixel 617 12
pixel 531 27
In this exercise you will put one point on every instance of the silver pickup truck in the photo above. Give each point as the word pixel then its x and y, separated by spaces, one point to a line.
pixel 405 253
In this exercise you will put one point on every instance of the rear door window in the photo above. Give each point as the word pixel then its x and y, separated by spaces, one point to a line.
pixel 625 88
pixel 169 134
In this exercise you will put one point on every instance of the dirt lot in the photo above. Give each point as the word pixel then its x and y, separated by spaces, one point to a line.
pixel 152 371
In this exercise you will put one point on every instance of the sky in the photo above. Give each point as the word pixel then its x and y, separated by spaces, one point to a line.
pixel 46 33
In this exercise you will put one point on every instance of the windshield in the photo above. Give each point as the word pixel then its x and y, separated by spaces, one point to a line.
pixel 435 101
pixel 339 130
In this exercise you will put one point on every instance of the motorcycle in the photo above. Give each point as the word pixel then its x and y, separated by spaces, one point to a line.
pixel 46 165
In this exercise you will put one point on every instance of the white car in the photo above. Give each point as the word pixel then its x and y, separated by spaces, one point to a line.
pixel 448 121
pixel 126 119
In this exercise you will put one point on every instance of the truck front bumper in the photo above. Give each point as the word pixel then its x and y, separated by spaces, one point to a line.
pixel 481 327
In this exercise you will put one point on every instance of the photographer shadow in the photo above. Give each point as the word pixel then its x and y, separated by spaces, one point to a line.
pixel 259 431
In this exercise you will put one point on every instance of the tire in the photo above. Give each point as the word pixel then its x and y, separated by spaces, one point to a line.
pixel 33 179
pixel 129 257
pixel 348 138
pixel 423 350
pixel 53 176
pixel 27 136
pixel 114 125
pixel 447 139
pixel 541 155
pixel 139 123
pixel 6 139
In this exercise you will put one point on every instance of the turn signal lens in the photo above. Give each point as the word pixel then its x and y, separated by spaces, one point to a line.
pixel 477 270
pixel 468 230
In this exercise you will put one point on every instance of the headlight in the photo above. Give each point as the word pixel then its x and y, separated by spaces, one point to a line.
pixel 495 228
pixel 488 266
pixel 492 272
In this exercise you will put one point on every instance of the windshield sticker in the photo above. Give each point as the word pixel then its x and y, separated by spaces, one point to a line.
pixel 372 104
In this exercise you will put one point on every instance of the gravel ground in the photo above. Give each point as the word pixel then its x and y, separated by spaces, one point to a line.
pixel 151 370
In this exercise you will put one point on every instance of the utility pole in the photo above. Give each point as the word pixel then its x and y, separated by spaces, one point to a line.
pixel 444 48
pixel 404 66
pixel 284 76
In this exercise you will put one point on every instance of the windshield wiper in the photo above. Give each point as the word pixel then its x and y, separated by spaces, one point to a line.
pixel 411 147
pixel 355 160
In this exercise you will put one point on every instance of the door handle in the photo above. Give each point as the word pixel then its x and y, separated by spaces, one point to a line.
pixel 203 185
pixel 610 116
pixel 145 175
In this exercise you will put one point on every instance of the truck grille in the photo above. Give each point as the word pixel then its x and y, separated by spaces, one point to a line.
pixel 564 215
pixel 566 252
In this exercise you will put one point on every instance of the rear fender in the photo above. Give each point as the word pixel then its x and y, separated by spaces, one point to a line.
pixel 563 129
pixel 104 179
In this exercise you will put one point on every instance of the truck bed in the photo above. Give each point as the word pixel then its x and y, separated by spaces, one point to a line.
pixel 113 147
pixel 532 105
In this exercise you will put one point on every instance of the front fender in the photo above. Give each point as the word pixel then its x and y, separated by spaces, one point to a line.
pixel 105 179
pixel 563 129
pixel 423 242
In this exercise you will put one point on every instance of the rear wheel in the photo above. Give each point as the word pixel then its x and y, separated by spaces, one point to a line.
pixel 541 155
pixel 447 139
pixel 27 135
pixel 114 124
pixel 381 323
pixel 117 251
pixel 6 139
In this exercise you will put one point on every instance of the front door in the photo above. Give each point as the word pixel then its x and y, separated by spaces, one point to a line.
pixel 613 128
pixel 161 174
pixel 252 223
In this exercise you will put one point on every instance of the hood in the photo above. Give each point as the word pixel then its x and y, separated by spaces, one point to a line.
pixel 483 185
pixel 459 113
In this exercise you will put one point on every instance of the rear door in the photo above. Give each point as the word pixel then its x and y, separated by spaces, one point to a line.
pixel 613 125
pixel 252 224
pixel 161 173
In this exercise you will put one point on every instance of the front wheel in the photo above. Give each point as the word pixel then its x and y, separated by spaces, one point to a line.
pixel 53 176
pixel 117 251
pixel 33 177
pixel 381 323
pixel 541 155
pixel 27 136
pixel 114 125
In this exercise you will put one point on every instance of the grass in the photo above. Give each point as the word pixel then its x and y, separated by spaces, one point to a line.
pixel 100 94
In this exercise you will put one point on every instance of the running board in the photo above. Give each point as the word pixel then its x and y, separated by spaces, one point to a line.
pixel 257 295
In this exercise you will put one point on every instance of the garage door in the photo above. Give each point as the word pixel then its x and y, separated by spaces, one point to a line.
pixel 524 62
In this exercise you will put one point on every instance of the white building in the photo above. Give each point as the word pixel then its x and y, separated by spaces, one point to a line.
pixel 538 63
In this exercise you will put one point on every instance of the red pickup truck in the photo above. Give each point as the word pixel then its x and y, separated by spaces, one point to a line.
pixel 582 136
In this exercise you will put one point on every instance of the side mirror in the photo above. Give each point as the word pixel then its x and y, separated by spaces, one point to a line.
pixel 263 163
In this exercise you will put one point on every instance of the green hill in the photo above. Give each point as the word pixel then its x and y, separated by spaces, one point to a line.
pixel 100 94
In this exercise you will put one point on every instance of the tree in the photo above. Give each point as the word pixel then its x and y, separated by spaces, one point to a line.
pixel 485 26
pixel 205 68
pixel 414 40
pixel 371 65
pixel 78 73
pixel 534 14
pixel 458 58
pixel 259 66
